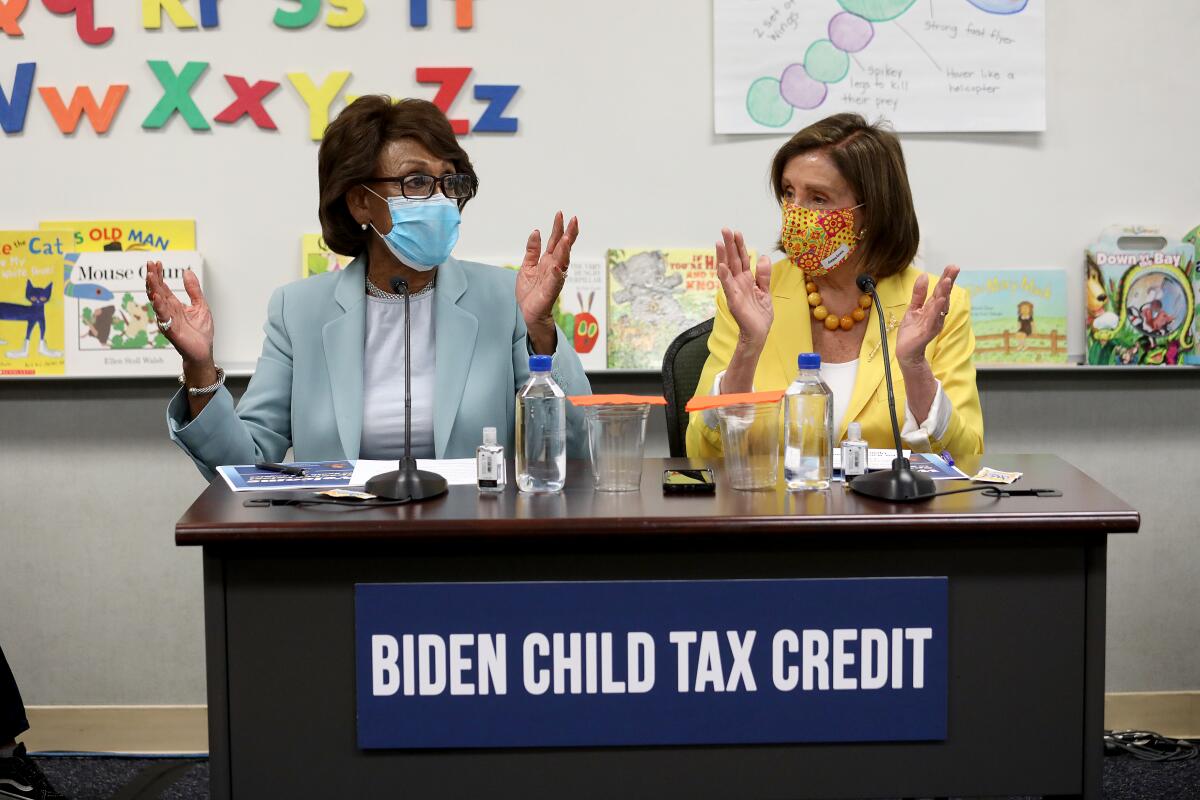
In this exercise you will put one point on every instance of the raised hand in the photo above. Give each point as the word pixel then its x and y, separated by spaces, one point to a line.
pixel 191 327
pixel 543 273
pixel 747 292
pixel 925 317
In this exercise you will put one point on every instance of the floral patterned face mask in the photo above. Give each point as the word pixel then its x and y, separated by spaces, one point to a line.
pixel 818 241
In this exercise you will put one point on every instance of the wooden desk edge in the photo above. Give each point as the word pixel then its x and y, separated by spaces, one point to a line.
pixel 336 531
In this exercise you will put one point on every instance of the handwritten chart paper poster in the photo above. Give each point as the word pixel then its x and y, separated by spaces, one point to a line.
pixel 925 65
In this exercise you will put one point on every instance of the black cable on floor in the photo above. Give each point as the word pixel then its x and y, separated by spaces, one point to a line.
pixel 1149 746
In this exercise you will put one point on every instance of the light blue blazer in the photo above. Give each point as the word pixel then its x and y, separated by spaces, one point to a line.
pixel 307 390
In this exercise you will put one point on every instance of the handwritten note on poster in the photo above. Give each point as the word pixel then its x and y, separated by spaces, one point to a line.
pixel 924 65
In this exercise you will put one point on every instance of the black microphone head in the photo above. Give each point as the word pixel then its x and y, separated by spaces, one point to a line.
pixel 399 286
pixel 866 284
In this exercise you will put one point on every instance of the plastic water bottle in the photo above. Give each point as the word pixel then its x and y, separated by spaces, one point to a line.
pixel 541 431
pixel 808 428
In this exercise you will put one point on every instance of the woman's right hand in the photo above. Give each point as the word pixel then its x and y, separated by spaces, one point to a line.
pixel 191 328
pixel 747 292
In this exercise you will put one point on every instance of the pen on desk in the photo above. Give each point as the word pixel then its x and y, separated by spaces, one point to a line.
pixel 270 466
pixel 949 458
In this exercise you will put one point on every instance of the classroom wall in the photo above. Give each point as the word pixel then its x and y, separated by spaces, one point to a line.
pixel 97 606
pixel 616 126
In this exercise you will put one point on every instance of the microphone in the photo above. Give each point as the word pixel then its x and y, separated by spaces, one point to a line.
pixel 407 482
pixel 898 484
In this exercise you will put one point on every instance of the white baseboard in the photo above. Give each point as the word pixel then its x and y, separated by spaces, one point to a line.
pixel 184 729
pixel 1175 714
pixel 118 729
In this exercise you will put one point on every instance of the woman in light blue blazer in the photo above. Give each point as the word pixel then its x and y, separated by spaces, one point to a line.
pixel 329 383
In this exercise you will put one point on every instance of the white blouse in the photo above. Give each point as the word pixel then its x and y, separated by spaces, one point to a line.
pixel 840 380
pixel 383 379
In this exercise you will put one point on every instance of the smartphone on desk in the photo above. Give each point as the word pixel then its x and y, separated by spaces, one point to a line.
pixel 689 481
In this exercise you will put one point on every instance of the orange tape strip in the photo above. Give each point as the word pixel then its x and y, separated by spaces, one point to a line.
pixel 722 400
pixel 617 400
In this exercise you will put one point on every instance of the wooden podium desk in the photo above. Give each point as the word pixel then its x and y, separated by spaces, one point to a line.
pixel 1026 659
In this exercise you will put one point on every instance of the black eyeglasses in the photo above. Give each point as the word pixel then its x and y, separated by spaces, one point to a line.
pixel 456 186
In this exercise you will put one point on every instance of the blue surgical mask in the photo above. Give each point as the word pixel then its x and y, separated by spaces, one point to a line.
pixel 423 231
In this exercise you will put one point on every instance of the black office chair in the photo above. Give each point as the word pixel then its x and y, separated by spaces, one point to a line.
pixel 681 369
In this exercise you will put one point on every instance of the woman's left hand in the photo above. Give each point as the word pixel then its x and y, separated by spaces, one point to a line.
pixel 924 318
pixel 541 279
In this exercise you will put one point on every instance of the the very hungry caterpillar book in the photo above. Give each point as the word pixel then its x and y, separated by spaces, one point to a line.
pixel 580 310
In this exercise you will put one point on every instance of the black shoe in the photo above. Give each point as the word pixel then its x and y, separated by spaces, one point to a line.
pixel 21 778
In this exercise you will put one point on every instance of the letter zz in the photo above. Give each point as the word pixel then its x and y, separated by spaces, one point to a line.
pixel 451 81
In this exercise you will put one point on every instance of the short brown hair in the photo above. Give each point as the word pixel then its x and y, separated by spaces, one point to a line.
pixel 870 159
pixel 350 152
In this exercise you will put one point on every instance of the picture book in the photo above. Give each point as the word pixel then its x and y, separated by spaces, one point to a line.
pixel 111 327
pixel 316 257
pixel 1193 238
pixel 1019 315
pixel 31 302
pixel 653 296
pixel 581 310
pixel 127 234
pixel 1141 302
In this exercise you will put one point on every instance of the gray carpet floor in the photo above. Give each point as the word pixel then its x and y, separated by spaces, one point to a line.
pixel 104 778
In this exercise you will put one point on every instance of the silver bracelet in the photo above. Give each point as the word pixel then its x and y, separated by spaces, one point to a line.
pixel 207 389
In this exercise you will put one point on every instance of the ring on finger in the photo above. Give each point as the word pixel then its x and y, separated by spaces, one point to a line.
pixel 164 325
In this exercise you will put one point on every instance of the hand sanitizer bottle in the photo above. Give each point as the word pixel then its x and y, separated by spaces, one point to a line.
pixel 854 452
pixel 489 464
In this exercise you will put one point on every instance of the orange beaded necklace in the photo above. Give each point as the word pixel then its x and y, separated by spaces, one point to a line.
pixel 832 321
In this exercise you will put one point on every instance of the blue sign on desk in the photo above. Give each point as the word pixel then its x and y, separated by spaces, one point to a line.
pixel 460 665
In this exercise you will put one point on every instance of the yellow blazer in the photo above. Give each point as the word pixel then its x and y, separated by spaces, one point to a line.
pixel 791 334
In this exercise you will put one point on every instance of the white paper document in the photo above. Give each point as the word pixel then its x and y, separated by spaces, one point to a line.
pixel 456 471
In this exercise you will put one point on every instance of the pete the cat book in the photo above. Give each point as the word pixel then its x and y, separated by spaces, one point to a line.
pixel 31 302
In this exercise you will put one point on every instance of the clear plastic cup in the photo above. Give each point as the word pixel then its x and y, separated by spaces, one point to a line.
pixel 616 443
pixel 750 440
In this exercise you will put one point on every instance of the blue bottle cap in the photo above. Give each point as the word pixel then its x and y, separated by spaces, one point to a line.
pixel 810 361
pixel 540 363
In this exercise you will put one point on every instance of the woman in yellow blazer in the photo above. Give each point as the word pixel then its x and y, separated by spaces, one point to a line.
pixel 847 210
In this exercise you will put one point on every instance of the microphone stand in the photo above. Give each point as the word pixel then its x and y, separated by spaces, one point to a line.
pixel 898 484
pixel 407 482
